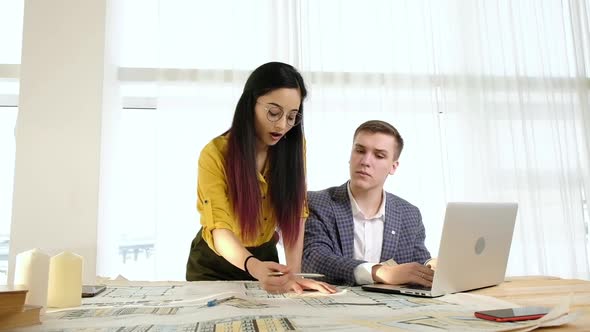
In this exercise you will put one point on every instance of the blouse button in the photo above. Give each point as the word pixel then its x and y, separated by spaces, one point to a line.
pixel 206 201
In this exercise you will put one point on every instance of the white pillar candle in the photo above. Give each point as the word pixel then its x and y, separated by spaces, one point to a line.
pixel 65 280
pixel 32 271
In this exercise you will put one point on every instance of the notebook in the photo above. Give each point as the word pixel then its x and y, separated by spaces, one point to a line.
pixel 473 251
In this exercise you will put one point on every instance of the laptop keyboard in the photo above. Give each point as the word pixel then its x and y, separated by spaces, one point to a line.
pixel 418 287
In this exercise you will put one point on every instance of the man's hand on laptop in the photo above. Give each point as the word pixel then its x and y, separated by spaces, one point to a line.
pixel 408 273
pixel 431 263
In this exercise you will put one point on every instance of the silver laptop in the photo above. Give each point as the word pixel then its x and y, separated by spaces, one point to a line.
pixel 473 252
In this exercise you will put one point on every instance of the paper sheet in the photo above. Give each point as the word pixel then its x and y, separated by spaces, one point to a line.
pixel 174 306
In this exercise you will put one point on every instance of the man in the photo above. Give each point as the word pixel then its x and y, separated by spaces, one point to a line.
pixel 353 227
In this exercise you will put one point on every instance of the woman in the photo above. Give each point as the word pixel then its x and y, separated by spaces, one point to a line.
pixel 252 181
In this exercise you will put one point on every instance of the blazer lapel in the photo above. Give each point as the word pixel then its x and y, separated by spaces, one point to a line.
pixel 344 222
pixel 391 228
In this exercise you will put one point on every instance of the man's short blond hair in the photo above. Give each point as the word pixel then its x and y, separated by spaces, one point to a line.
pixel 378 126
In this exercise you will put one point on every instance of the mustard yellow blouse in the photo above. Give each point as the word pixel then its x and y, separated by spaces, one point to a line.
pixel 213 197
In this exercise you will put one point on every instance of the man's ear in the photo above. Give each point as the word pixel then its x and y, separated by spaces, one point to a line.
pixel 393 167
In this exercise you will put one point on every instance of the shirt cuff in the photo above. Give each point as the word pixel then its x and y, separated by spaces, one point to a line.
pixel 363 273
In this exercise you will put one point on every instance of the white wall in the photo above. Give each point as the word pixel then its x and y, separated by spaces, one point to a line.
pixel 58 132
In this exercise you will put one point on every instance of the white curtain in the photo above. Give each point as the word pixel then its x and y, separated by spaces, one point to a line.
pixel 11 24
pixel 491 98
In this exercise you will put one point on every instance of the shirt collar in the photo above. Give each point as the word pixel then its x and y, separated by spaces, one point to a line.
pixel 357 212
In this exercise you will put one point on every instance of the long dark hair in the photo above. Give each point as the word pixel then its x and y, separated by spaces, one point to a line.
pixel 287 185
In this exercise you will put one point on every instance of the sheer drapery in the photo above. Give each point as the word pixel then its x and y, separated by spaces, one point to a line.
pixel 11 22
pixel 491 98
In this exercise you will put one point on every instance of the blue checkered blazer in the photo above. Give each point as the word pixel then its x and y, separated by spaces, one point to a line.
pixel 329 234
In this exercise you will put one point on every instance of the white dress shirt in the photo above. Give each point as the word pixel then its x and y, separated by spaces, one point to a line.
pixel 368 239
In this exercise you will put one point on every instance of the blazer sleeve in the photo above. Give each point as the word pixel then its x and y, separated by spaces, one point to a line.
pixel 322 250
pixel 421 253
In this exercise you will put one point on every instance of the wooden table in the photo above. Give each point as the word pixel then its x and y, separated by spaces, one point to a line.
pixel 546 291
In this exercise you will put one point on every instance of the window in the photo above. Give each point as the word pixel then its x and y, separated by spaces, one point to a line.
pixel 506 77
pixel 11 14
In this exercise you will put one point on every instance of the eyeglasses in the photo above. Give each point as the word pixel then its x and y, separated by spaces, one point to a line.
pixel 275 113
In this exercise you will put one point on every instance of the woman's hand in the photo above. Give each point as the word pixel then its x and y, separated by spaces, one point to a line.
pixel 286 282
pixel 300 284
pixel 273 284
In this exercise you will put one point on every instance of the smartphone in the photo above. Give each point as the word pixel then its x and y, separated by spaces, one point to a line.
pixel 90 291
pixel 512 314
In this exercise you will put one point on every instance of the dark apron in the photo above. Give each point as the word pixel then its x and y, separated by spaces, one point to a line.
pixel 204 264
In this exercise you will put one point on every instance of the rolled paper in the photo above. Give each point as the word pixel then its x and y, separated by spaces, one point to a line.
pixel 65 281
pixel 32 271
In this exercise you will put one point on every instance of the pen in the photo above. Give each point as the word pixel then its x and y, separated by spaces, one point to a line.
pixel 215 302
pixel 303 275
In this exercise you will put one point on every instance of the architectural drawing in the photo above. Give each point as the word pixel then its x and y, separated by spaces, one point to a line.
pixel 395 301
pixel 247 323
pixel 183 307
